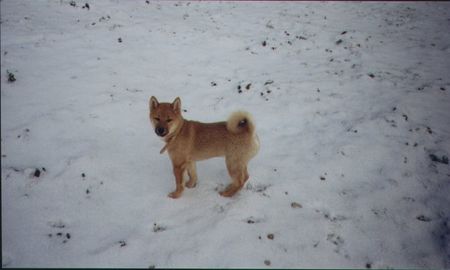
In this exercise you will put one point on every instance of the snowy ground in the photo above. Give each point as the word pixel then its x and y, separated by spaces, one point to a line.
pixel 352 107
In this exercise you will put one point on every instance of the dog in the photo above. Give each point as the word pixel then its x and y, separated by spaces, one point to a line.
pixel 189 141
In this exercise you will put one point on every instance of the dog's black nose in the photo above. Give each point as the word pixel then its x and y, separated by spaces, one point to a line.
pixel 160 131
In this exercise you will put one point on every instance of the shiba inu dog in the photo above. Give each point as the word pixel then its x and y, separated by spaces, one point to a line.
pixel 190 141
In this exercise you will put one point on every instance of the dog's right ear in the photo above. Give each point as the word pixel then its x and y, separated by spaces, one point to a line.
pixel 176 105
pixel 153 103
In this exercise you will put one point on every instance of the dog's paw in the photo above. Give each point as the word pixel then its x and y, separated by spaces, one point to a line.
pixel 229 191
pixel 175 194
pixel 191 184
pixel 226 193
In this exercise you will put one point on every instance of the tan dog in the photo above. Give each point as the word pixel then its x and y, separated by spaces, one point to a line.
pixel 190 141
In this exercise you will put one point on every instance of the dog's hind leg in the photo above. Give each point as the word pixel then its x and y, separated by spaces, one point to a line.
pixel 192 172
pixel 238 175
pixel 246 176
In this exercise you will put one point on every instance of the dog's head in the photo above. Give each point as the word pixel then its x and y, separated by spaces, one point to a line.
pixel 165 117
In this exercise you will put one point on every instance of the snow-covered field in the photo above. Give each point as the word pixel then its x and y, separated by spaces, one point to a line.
pixel 351 103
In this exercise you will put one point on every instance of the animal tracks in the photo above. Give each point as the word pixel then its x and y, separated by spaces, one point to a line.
pixel 59 232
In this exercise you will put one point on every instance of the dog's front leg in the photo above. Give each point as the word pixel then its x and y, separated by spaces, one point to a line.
pixel 192 172
pixel 178 172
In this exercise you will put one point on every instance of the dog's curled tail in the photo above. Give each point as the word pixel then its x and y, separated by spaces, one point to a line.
pixel 239 122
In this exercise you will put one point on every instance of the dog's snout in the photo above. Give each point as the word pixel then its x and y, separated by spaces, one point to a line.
pixel 160 131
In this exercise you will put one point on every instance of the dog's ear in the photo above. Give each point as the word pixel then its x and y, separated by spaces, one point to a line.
pixel 153 103
pixel 176 104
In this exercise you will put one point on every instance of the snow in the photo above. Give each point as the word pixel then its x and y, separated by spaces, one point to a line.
pixel 350 100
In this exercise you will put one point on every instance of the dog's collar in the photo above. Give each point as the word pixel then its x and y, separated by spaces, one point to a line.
pixel 164 148
pixel 170 139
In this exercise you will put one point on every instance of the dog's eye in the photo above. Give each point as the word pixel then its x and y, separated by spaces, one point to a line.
pixel 156 118
pixel 169 120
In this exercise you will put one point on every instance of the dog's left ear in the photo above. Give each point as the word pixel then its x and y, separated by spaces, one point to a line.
pixel 176 105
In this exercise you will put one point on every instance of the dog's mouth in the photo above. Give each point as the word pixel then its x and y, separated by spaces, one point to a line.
pixel 161 132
